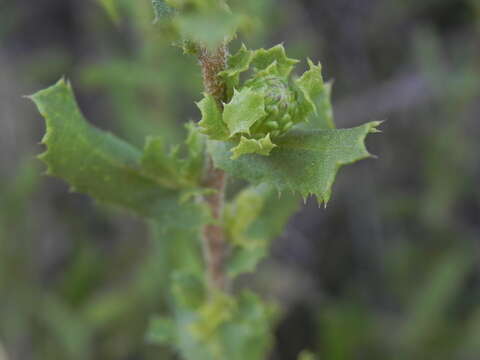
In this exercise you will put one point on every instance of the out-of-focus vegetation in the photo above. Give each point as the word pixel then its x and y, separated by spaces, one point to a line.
pixel 389 270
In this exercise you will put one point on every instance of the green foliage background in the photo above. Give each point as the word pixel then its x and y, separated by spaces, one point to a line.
pixel 389 270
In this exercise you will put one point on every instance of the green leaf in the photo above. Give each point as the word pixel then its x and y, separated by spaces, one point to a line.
pixel 224 327
pixel 170 169
pixel 324 117
pixel 255 217
pixel 252 146
pixel 311 86
pixel 99 164
pixel 315 156
pixel 212 122
pixel 236 64
pixel 244 110
pixel 262 59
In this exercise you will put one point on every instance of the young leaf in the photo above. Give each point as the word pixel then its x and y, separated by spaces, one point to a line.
pixel 168 168
pixel 237 64
pixel 262 59
pixel 311 86
pixel 255 217
pixel 315 156
pixel 253 146
pixel 212 122
pixel 245 109
pixel 97 163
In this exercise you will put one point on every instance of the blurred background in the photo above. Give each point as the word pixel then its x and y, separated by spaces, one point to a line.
pixel 390 270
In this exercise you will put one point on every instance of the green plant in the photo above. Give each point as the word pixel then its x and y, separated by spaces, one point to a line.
pixel 260 124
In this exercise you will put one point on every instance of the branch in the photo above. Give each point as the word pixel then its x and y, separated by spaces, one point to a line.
pixel 214 245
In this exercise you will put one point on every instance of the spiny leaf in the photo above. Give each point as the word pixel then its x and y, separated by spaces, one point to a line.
pixel 252 146
pixel 238 63
pixel 311 86
pixel 315 157
pixel 262 59
pixel 244 110
pixel 169 168
pixel 212 123
pixel 97 163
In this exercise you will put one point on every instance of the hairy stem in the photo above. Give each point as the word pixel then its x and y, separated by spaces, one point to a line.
pixel 214 245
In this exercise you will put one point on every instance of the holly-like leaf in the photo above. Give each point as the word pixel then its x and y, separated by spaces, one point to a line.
pixel 244 110
pixel 101 165
pixel 212 122
pixel 262 59
pixel 304 161
pixel 237 64
pixel 311 86
pixel 169 168
pixel 253 146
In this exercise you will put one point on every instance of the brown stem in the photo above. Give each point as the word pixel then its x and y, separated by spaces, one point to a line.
pixel 214 245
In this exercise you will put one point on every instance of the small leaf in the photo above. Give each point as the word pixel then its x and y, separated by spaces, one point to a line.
pixel 244 110
pixel 315 155
pixel 264 58
pixel 212 123
pixel 255 217
pixel 252 146
pixel 238 63
pixel 311 86
pixel 214 313
pixel 169 168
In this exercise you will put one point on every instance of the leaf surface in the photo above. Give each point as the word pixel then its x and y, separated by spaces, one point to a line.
pixel 245 109
pixel 101 165
pixel 304 161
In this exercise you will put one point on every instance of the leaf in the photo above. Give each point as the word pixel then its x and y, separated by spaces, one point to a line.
pixel 98 164
pixel 244 110
pixel 223 327
pixel 311 86
pixel 252 146
pixel 212 123
pixel 262 59
pixel 315 155
pixel 255 217
pixel 236 64
pixel 170 169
